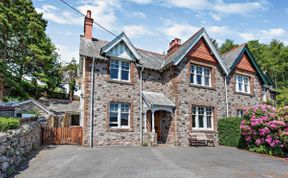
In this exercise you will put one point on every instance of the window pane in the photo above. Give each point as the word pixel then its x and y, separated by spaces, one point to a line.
pixel 114 64
pixel 192 69
pixel 114 107
pixel 199 79
pixel 200 110
pixel 246 88
pixel 207 81
pixel 124 75
pixel 113 117
pixel 206 71
pixel 194 110
pixel 192 78
pixel 240 86
pixel 124 119
pixel 208 121
pixel 201 123
pixel 113 125
pixel 124 107
pixel 193 121
pixel 114 73
pixel 125 65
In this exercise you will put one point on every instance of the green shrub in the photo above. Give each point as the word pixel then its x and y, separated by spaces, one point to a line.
pixel 8 123
pixel 229 132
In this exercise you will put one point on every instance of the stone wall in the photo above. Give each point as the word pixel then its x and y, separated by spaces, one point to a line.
pixel 15 144
pixel 31 107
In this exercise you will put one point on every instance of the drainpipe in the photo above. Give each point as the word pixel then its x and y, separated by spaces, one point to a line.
pixel 141 105
pixel 226 96
pixel 92 102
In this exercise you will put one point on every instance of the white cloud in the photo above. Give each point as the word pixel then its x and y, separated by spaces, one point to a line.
pixel 138 15
pixel 134 31
pixel 67 53
pixel 218 30
pixel 103 12
pixel 217 8
pixel 183 31
pixel 142 1
pixel 274 32
pixel 247 36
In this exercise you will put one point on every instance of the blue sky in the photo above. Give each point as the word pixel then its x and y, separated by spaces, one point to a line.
pixel 152 24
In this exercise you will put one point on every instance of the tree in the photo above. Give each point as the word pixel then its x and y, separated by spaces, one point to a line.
pixel 227 46
pixel 70 75
pixel 26 50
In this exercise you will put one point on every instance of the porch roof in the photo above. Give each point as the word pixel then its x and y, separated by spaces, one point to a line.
pixel 157 99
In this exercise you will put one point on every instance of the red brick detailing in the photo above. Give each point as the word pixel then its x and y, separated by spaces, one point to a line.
pixel 88 25
pixel 245 64
pixel 202 51
pixel 133 72
pixel 174 45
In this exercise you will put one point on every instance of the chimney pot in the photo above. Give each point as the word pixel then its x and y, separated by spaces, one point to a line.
pixel 174 45
pixel 88 25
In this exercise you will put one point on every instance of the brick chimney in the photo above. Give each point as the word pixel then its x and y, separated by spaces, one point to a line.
pixel 174 45
pixel 88 25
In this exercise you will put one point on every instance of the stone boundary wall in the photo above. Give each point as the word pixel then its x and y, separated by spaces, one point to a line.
pixel 16 144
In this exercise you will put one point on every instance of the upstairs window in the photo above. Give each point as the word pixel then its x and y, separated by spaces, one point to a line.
pixel 119 115
pixel 200 75
pixel 242 84
pixel 202 118
pixel 119 70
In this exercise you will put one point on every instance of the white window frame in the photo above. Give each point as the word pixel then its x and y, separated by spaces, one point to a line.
pixel 245 81
pixel 196 127
pixel 194 73
pixel 240 113
pixel 120 70
pixel 119 126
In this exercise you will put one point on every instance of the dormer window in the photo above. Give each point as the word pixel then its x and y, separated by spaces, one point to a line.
pixel 242 84
pixel 200 75
pixel 119 70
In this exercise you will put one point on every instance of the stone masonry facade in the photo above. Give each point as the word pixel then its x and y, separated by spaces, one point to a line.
pixel 172 81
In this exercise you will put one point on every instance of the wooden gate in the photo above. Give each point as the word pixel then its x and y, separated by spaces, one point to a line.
pixel 62 135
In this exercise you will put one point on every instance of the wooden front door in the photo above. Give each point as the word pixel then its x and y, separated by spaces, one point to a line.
pixel 157 125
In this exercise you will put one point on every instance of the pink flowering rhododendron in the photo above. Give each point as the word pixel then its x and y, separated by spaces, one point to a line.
pixel 266 130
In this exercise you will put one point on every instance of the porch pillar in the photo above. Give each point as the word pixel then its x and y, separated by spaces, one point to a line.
pixel 153 121
pixel 145 122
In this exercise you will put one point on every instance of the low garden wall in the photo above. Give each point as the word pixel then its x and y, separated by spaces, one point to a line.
pixel 16 144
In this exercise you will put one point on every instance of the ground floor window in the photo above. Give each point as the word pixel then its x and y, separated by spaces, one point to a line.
pixel 75 120
pixel 119 115
pixel 240 113
pixel 202 118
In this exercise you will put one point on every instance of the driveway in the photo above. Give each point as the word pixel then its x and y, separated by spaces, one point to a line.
pixel 74 161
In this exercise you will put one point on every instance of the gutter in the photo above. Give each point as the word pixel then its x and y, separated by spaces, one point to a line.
pixel 92 102
pixel 141 104
pixel 226 95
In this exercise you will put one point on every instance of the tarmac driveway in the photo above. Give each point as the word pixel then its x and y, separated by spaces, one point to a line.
pixel 74 161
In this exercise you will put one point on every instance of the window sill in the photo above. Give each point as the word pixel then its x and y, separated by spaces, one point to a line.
pixel 120 82
pixel 203 130
pixel 203 87
pixel 119 130
pixel 245 94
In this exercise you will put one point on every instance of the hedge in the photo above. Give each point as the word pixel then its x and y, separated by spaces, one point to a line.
pixel 7 123
pixel 229 132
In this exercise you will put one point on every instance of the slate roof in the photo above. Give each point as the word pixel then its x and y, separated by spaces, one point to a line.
pixel 150 60
pixel 230 57
pixel 59 106
pixel 157 99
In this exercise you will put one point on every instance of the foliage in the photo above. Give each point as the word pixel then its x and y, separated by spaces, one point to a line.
pixel 7 123
pixel 227 46
pixel 265 130
pixel 69 76
pixel 229 132
pixel 26 50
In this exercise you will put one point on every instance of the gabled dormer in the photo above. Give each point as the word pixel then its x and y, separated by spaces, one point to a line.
pixel 121 48
pixel 121 54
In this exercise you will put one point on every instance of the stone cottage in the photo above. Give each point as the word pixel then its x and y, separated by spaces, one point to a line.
pixel 130 95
